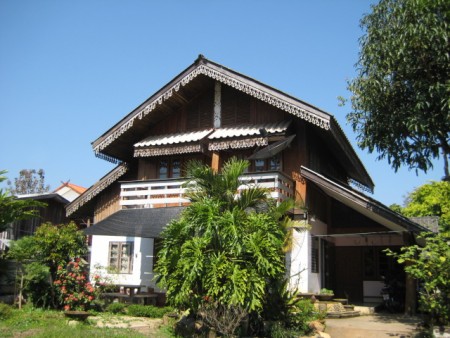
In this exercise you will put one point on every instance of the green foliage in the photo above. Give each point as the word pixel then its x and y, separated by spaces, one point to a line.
pixel 5 311
pixel 325 291
pixel 432 199
pixel 222 248
pixel 39 256
pixel 13 209
pixel 401 94
pixel 431 266
pixel 148 311
pixel 289 310
pixel 116 308
pixel 74 290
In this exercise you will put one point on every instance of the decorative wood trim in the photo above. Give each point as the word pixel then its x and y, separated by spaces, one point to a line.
pixel 238 144
pixel 235 81
pixel 158 151
pixel 96 188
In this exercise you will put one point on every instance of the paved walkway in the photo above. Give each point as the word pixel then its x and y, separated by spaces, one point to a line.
pixel 374 326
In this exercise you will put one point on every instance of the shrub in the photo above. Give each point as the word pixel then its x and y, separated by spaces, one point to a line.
pixel 116 308
pixel 74 290
pixel 5 311
pixel 148 311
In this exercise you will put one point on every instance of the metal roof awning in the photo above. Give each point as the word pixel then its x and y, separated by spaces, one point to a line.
pixel 147 223
pixel 182 143
pixel 272 149
pixel 250 130
pixel 164 140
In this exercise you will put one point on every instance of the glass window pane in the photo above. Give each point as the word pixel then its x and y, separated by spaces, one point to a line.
pixel 176 168
pixel 163 169
pixel 259 165
pixel 275 163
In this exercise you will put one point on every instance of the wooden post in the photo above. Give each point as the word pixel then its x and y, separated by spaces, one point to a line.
pixel 215 162
pixel 410 283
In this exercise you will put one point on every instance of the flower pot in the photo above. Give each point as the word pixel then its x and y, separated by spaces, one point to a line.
pixel 77 315
pixel 324 297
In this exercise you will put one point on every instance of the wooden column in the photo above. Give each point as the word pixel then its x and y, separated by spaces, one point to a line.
pixel 215 161
pixel 410 283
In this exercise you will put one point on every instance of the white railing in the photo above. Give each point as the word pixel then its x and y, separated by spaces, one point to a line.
pixel 170 192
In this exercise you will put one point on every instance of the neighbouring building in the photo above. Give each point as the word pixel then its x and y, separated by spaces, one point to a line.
pixel 210 113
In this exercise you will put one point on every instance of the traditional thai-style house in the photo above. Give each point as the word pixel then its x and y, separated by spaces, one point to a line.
pixel 210 113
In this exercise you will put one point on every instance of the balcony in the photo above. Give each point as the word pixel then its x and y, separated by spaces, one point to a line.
pixel 171 192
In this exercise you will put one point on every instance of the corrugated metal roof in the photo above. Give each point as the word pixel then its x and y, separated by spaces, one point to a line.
pixel 173 138
pixel 249 130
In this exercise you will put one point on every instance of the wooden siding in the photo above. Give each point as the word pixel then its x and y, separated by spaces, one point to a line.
pixel 107 202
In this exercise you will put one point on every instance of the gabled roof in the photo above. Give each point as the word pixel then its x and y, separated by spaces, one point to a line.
pixel 362 203
pixel 116 143
pixel 94 190
pixel 78 189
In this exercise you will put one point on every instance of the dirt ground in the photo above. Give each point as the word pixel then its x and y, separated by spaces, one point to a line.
pixel 147 326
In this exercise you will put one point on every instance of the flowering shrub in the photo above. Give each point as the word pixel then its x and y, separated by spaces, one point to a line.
pixel 75 291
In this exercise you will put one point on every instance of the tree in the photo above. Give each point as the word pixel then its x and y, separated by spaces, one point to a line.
pixel 432 199
pixel 401 94
pixel 431 266
pixel 40 255
pixel 223 249
pixel 13 209
pixel 29 181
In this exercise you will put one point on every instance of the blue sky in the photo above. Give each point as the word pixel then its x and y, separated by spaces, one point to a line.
pixel 69 70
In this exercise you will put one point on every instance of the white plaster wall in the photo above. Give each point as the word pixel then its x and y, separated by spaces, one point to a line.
pixel 142 273
pixel 298 261
pixel 314 279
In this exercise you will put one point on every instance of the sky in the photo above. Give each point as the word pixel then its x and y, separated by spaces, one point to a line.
pixel 70 70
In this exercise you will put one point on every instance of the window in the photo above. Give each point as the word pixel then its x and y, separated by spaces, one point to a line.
pixel 314 255
pixel 121 256
pixel 169 168
pixel 273 163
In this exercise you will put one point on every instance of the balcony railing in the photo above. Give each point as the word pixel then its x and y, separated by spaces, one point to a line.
pixel 171 192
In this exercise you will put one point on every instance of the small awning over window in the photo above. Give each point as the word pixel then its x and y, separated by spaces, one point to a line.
pixel 147 223
pixel 272 149
pixel 182 143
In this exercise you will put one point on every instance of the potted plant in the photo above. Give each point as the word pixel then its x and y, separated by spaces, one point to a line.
pixel 325 294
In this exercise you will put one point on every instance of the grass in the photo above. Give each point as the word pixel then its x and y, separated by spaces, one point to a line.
pixel 30 322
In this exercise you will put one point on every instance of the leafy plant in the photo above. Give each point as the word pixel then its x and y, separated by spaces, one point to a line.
pixel 74 289
pixel 431 266
pixel 148 311
pixel 223 248
pixel 326 291
pixel 39 256
pixel 116 308
pixel 5 311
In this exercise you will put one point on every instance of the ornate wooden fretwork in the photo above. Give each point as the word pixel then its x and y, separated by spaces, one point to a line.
pixel 97 188
pixel 238 144
pixel 225 78
pixel 147 152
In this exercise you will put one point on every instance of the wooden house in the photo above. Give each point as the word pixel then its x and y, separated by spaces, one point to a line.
pixel 210 113
pixel 53 212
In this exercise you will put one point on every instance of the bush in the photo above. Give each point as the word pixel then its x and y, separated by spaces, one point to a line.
pixel 116 308
pixel 148 311
pixel 5 311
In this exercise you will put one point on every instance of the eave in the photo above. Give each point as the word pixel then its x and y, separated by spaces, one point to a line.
pixel 116 143
pixel 361 203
